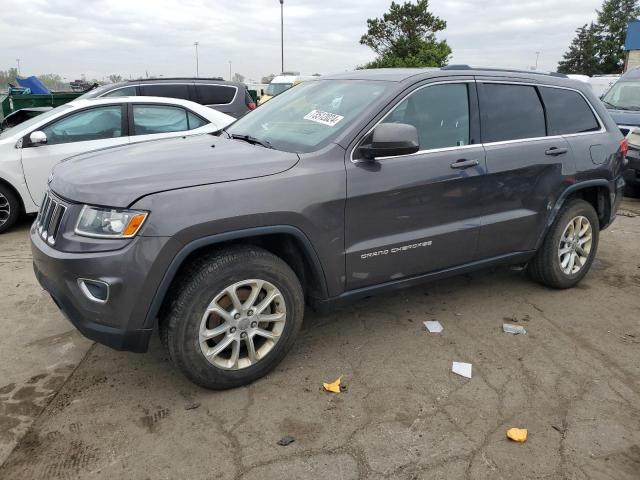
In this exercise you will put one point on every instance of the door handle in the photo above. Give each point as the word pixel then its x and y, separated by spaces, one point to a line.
pixel 462 163
pixel 555 151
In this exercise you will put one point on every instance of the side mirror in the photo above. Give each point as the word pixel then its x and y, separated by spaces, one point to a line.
pixel 391 139
pixel 38 138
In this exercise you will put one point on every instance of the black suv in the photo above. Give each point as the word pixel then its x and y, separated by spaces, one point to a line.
pixel 231 98
pixel 339 188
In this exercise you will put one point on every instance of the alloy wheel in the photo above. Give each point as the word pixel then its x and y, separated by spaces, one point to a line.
pixel 5 209
pixel 242 324
pixel 575 245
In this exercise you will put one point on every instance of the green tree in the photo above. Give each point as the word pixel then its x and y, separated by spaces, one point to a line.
pixel 612 23
pixel 8 76
pixel 53 81
pixel 599 48
pixel 581 57
pixel 405 36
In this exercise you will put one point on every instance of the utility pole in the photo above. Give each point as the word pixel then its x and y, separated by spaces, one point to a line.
pixel 282 35
pixel 195 44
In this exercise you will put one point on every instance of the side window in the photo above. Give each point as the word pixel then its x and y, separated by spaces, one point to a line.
pixel 510 112
pixel 215 94
pixel 440 113
pixel 93 124
pixel 122 92
pixel 149 119
pixel 166 90
pixel 567 112
pixel 195 121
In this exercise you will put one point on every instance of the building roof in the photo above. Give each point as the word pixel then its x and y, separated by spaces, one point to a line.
pixel 632 41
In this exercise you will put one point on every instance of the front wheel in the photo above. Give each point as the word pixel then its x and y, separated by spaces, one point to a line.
pixel 569 248
pixel 234 317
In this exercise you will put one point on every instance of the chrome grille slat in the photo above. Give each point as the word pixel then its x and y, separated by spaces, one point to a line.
pixel 50 218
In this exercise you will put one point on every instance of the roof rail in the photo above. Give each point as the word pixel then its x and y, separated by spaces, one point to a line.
pixel 508 70
pixel 159 79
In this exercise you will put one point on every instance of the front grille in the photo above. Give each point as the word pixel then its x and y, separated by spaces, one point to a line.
pixel 49 218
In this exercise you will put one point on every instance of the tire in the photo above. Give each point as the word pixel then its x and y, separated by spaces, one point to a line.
pixel 546 267
pixel 212 277
pixel 9 208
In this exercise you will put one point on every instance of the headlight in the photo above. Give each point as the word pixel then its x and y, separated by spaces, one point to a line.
pixel 109 222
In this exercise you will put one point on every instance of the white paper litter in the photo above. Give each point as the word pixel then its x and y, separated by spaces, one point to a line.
pixel 515 329
pixel 433 326
pixel 462 369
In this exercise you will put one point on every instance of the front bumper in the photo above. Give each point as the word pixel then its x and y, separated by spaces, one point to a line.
pixel 132 273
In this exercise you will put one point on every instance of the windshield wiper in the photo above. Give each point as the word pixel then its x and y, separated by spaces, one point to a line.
pixel 251 140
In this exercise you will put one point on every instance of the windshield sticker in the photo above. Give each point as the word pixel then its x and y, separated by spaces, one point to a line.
pixel 325 118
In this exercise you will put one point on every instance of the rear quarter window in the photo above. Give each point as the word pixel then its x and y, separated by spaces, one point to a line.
pixel 215 94
pixel 510 112
pixel 567 112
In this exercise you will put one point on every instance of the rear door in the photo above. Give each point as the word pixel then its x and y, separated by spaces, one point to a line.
pixel 170 90
pixel 155 121
pixel 525 166
pixel 81 131
pixel 219 97
pixel 412 214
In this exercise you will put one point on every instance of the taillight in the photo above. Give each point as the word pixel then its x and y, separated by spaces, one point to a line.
pixel 624 147
pixel 251 105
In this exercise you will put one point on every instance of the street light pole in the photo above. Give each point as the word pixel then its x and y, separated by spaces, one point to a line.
pixel 229 70
pixel 195 44
pixel 282 35
pixel 537 55
pixel 18 61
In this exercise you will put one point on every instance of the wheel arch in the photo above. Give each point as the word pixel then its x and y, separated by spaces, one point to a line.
pixel 596 192
pixel 286 241
pixel 15 191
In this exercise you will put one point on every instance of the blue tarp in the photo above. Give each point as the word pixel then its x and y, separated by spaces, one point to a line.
pixel 33 84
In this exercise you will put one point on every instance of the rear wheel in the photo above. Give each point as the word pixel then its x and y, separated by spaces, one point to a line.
pixel 9 208
pixel 234 317
pixel 569 247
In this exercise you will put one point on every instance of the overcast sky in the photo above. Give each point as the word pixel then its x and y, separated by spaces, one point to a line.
pixel 132 37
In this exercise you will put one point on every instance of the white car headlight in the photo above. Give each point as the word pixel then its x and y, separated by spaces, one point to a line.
pixel 109 222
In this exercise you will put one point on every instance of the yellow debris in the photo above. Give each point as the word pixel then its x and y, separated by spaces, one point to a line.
pixel 518 434
pixel 334 386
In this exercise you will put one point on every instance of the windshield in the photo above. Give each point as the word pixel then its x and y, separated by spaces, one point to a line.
pixel 274 89
pixel 624 95
pixel 32 121
pixel 309 116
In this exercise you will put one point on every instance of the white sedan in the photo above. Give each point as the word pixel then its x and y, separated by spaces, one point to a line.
pixel 29 151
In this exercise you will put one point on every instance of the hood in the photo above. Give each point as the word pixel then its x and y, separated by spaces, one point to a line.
pixel 119 176
pixel 625 117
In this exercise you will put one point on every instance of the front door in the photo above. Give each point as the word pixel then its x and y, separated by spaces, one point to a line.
pixel 418 213
pixel 83 131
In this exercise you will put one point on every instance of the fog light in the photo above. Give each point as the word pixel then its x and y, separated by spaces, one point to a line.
pixel 95 290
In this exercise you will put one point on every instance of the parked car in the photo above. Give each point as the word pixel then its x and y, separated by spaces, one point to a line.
pixel 339 188
pixel 29 150
pixel 632 173
pixel 623 101
pixel 282 83
pixel 231 98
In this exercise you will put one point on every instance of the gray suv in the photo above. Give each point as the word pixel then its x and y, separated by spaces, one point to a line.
pixel 231 98
pixel 339 188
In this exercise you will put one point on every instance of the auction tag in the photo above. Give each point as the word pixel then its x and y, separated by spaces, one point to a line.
pixel 325 118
